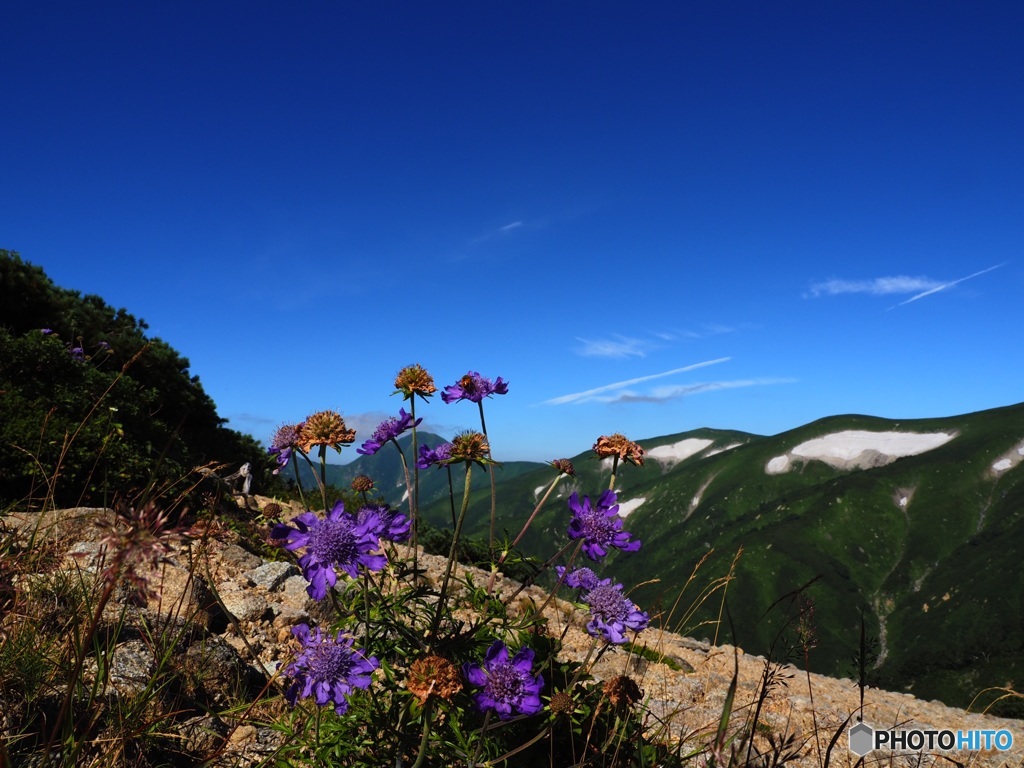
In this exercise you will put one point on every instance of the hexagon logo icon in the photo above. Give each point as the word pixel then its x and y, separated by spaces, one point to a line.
pixel 862 739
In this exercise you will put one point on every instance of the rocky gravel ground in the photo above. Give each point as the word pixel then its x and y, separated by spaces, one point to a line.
pixel 245 605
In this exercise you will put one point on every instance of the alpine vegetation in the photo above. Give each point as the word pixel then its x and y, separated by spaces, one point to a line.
pixel 434 668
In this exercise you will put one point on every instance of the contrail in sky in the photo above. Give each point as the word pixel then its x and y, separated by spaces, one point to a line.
pixel 629 382
pixel 944 286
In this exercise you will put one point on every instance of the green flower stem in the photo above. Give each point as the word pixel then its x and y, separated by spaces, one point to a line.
pixel 529 521
pixel 490 471
pixel 316 477
pixel 414 491
pixel 568 566
pixel 451 552
pixel 451 495
pixel 412 507
pixel 427 712
pixel 323 474
pixel 615 467
pixel 298 481
pixel 480 744
pixel 543 733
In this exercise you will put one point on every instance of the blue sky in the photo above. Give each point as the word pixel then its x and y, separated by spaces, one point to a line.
pixel 647 217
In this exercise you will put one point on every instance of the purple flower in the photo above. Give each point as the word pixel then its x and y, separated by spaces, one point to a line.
pixel 611 612
pixel 46 331
pixel 474 387
pixel 600 527
pixel 508 686
pixel 285 439
pixel 389 429
pixel 336 541
pixel 578 578
pixel 327 668
pixel 385 522
pixel 438 456
pixel 77 353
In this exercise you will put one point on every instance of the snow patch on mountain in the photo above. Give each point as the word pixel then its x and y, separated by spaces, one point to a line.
pixel 1009 460
pixel 670 455
pixel 625 507
pixel 858 449
pixel 724 449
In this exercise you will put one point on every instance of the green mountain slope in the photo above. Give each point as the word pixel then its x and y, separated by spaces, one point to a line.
pixel 927 546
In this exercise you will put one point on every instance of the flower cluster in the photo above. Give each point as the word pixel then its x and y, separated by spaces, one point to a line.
pixel 508 686
pixel 619 445
pixel 611 612
pixel 283 444
pixel 474 387
pixel 600 527
pixel 433 676
pixel 389 429
pixel 469 446
pixel 338 541
pixel 580 578
pixel 622 691
pixel 362 484
pixel 385 522
pixel 438 456
pixel 414 380
pixel 327 668
pixel 324 428
pixel 564 466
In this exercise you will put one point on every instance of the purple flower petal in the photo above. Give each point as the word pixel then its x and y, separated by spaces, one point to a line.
pixel 327 668
pixel 600 527
pixel 474 387
pixel 507 686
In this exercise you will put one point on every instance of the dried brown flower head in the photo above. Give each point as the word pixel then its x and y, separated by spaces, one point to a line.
pixel 434 676
pixel 619 445
pixel 362 484
pixel 622 691
pixel 414 380
pixel 564 466
pixel 470 446
pixel 325 428
pixel 562 703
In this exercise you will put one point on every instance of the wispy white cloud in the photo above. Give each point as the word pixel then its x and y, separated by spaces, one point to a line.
pixel 619 347
pixel 591 394
pixel 665 394
pixel 880 286
pixel 622 347
pixel 887 286
pixel 501 231
pixel 944 286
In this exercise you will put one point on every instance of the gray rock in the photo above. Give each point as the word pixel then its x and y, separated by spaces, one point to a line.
pixel 288 615
pixel 295 586
pixel 240 558
pixel 272 576
pixel 244 606
pixel 131 667
pixel 202 735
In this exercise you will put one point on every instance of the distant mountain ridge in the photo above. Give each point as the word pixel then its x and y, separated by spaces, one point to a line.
pixel 917 524
pixel 385 468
